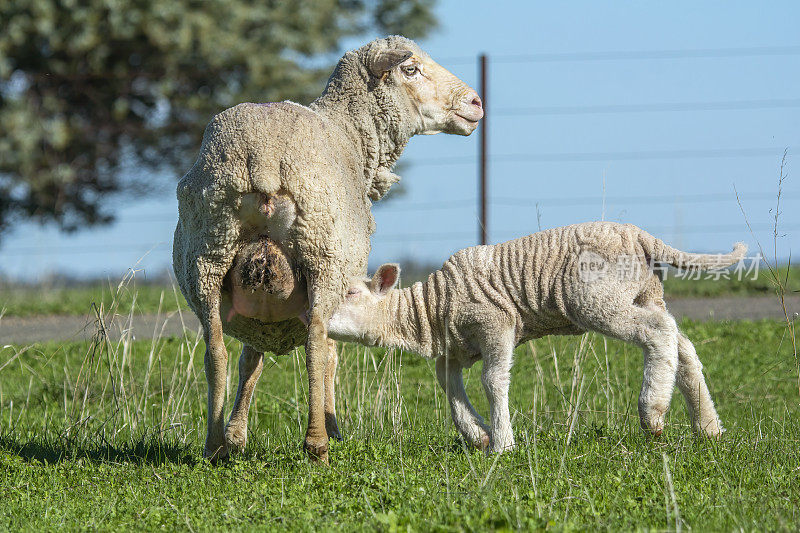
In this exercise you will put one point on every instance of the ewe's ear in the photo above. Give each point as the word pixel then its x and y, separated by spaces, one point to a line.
pixel 382 62
pixel 385 278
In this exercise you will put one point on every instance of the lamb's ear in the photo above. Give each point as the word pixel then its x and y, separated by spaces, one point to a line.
pixel 382 62
pixel 385 278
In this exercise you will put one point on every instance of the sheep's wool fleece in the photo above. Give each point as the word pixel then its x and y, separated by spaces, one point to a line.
pixel 325 157
pixel 536 284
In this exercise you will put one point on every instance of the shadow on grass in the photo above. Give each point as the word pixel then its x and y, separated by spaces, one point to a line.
pixel 142 451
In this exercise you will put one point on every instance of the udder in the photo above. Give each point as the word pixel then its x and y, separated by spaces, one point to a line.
pixel 265 285
pixel 263 282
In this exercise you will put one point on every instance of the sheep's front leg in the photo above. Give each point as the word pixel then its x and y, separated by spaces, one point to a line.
pixel 251 363
pixel 316 441
pixel 498 354
pixel 331 427
pixel 216 366
pixel 468 422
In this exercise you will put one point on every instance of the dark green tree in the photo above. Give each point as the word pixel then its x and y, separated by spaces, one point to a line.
pixel 92 89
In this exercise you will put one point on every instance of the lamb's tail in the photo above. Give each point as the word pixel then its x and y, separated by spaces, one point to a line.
pixel 659 251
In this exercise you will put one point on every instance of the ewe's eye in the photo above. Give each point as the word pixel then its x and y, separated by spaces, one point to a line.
pixel 410 70
pixel 352 292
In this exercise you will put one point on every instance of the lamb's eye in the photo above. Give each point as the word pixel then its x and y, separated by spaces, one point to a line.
pixel 410 70
pixel 352 292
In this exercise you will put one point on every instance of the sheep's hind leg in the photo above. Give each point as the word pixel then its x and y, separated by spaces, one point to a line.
pixel 654 330
pixel 317 351
pixel 251 363
pixel 660 347
pixel 468 422
pixel 693 386
pixel 331 426
pixel 216 367
pixel 498 355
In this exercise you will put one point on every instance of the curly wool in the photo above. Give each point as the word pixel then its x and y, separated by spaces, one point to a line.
pixel 331 158
pixel 534 282
pixel 486 300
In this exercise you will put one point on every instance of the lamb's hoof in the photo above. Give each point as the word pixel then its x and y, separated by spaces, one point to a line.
pixel 215 453
pixel 482 443
pixel 501 448
pixel 712 430
pixel 331 427
pixel 653 425
pixel 236 438
pixel 317 451
pixel 653 430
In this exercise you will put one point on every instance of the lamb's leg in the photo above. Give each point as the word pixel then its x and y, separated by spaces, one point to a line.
pixel 658 337
pixel 660 349
pixel 331 427
pixel 468 422
pixel 498 354
pixel 693 386
pixel 251 362
pixel 316 441
pixel 216 366
pixel 652 329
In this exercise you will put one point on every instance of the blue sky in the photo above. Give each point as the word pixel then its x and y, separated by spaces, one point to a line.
pixel 661 108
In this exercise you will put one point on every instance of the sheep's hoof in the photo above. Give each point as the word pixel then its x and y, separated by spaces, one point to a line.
pixel 236 438
pixel 317 452
pixel 332 427
pixel 215 454
pixel 483 443
pixel 502 448
pixel 712 430
pixel 653 430
pixel 652 424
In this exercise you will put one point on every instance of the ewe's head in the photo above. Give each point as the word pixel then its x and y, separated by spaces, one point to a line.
pixel 416 95
pixel 436 100
pixel 356 318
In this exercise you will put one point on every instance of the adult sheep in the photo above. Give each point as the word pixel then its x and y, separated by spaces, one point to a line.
pixel 330 160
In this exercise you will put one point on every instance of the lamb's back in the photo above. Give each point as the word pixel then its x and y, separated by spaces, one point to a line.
pixel 527 278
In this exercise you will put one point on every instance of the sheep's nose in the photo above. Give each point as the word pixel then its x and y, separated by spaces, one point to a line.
pixel 476 101
pixel 473 109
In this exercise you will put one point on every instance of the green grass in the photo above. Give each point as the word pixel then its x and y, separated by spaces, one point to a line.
pixel 16 300
pixel 40 300
pixel 753 284
pixel 109 437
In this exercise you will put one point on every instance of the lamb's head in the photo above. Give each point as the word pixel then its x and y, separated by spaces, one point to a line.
pixel 358 318
pixel 435 100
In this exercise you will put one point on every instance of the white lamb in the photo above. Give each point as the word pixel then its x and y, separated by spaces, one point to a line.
pixel 486 300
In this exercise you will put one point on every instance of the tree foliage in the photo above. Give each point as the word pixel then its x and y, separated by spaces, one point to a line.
pixel 91 88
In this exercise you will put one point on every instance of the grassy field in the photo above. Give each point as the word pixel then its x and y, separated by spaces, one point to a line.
pixel 109 436
pixel 753 284
pixel 16 300
pixel 38 300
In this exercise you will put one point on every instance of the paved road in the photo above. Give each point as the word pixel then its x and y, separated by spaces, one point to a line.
pixel 37 329
pixel 734 308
